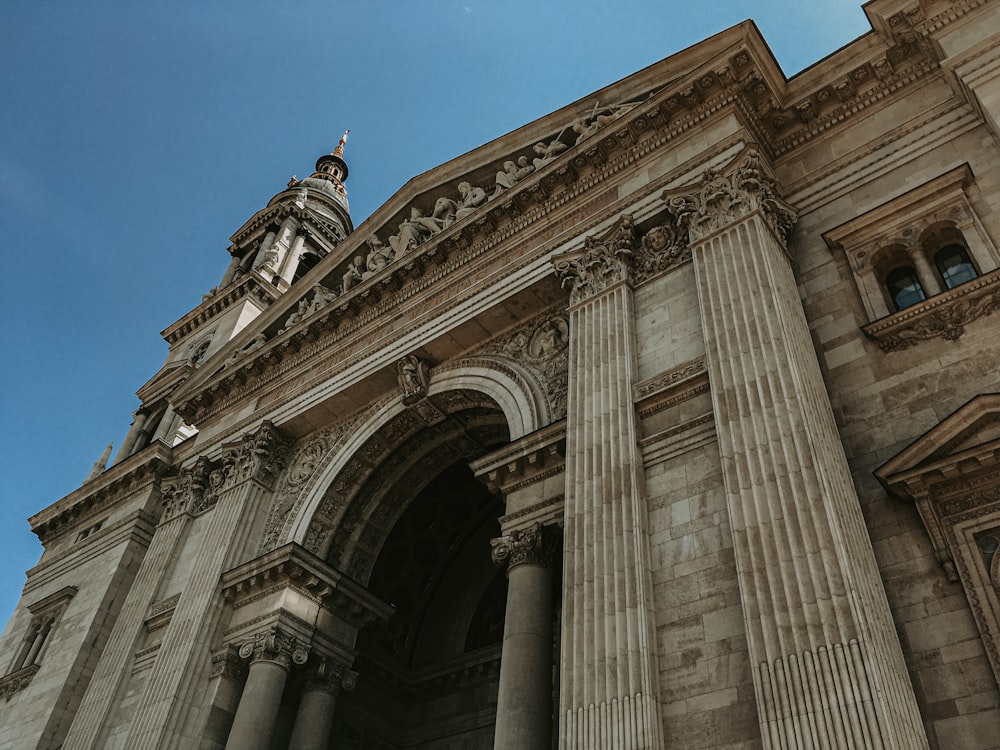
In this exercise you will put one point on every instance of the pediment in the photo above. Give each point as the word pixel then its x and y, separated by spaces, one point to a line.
pixel 964 444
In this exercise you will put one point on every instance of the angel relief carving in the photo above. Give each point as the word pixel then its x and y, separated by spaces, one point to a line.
pixel 412 375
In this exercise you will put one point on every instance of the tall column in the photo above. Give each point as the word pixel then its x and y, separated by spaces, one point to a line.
pixel 177 495
pixel 239 486
pixel 272 654
pixel 524 702
pixel 609 686
pixel 828 669
pixel 314 720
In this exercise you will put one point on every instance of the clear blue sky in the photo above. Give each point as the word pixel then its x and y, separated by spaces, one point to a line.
pixel 137 136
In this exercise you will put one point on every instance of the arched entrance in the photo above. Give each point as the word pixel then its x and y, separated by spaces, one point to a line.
pixel 414 527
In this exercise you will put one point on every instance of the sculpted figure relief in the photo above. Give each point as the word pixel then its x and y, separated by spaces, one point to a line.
pixel 379 256
pixel 321 298
pixel 472 198
pixel 412 375
pixel 548 152
pixel 353 274
pixel 444 212
pixel 412 232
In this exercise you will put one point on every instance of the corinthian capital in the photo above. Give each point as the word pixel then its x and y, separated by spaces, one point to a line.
pixel 188 491
pixel 724 196
pixel 534 545
pixel 259 455
pixel 602 263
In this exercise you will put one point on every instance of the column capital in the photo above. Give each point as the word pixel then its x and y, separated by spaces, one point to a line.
pixel 330 675
pixel 745 186
pixel 259 455
pixel 602 263
pixel 274 646
pixel 188 491
pixel 534 545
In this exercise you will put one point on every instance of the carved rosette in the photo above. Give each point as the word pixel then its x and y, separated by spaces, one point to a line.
pixel 601 264
pixel 274 646
pixel 724 197
pixel 535 545
pixel 330 676
pixel 260 456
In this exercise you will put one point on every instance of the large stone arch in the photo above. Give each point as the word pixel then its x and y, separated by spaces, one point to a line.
pixel 333 455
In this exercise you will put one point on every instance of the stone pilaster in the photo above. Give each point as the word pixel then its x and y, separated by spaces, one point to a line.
pixel 828 667
pixel 177 494
pixel 327 678
pixel 271 653
pixel 609 674
pixel 238 488
pixel 524 700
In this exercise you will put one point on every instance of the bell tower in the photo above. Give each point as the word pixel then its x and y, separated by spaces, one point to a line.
pixel 276 247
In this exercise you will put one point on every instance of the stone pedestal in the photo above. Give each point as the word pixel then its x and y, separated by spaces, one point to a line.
pixel 828 667
pixel 524 701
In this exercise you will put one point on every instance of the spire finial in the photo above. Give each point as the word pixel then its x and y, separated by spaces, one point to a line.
pixel 339 150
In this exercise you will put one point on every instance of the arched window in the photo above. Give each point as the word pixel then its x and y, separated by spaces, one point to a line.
pixel 904 287
pixel 954 265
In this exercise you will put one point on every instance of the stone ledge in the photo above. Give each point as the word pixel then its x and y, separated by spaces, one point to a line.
pixel 943 316
pixel 16 681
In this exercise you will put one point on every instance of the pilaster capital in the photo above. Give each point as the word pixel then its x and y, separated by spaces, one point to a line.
pixel 534 545
pixel 188 491
pixel 725 196
pixel 274 646
pixel 259 455
pixel 602 263
pixel 330 675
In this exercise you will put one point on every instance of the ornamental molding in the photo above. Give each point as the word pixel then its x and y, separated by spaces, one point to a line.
pixel 726 196
pixel 293 567
pixel 139 472
pixel 942 316
pixel 600 142
pixel 17 681
pixel 669 379
pixel 247 288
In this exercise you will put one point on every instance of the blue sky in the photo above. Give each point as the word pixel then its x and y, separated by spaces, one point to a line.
pixel 138 136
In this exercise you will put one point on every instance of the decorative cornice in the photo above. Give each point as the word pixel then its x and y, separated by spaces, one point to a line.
pixel 17 681
pixel 744 78
pixel 247 288
pixel 525 461
pixel 292 566
pixel 135 474
pixel 670 378
pixel 942 316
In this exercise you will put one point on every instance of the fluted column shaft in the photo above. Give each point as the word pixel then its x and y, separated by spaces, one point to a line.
pixel 524 700
pixel 609 683
pixel 828 667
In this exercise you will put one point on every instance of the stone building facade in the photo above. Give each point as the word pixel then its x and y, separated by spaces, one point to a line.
pixel 670 421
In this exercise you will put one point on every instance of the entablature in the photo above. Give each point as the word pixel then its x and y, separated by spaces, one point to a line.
pixel 249 287
pixel 579 148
